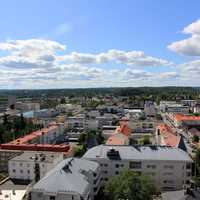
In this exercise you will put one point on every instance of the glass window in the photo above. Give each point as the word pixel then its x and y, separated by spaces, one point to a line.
pixel 135 165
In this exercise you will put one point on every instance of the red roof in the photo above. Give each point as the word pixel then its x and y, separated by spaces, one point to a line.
pixel 22 143
pixel 36 147
pixel 124 128
pixel 117 139
pixel 33 135
pixel 182 117
pixel 170 138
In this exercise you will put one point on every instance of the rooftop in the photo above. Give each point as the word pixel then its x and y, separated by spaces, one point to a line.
pixel 68 176
pixel 31 136
pixel 170 138
pixel 182 117
pixel 164 153
pixel 117 139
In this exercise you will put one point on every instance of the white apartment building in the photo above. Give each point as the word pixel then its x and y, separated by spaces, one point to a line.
pixel 72 179
pixel 172 106
pixel 169 167
pixel 30 165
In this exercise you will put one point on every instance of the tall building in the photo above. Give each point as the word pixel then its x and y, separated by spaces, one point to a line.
pixel 170 168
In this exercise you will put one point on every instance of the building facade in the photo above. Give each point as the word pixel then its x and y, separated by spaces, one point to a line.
pixel 31 165
pixel 170 168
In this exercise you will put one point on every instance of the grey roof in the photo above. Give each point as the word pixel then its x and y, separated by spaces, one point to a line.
pixel 71 179
pixel 139 153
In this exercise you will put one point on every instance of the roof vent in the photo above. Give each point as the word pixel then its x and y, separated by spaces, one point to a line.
pixel 113 154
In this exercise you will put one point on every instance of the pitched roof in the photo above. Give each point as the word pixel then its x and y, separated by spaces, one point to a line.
pixel 67 176
pixel 182 117
pixel 117 139
pixel 161 153
pixel 169 137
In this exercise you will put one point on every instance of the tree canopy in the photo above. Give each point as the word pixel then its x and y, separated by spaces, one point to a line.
pixel 128 185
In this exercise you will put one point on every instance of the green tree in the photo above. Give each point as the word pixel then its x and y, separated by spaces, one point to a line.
pixel 128 185
pixel 146 140
pixel 63 101
pixel 100 138
pixel 195 138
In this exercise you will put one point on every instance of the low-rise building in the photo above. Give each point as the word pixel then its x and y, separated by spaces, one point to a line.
pixel 72 179
pixel 170 168
pixel 32 165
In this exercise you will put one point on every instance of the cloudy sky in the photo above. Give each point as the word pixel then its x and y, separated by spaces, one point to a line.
pixel 107 43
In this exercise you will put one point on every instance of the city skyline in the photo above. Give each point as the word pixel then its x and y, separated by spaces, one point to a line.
pixel 76 44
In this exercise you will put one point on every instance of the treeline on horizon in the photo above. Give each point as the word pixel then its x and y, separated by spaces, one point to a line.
pixel 163 93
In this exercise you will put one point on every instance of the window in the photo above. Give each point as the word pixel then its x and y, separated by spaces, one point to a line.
pixel 21 171
pixel 188 166
pixel 188 174
pixel 116 172
pixel 28 171
pixel 188 182
pixel 135 165
pixel 52 198
pixel 21 164
pixel 13 170
pixel 168 181
pixel 151 166
pixel 95 189
pixel 168 166
pixel 105 172
pixel 105 165
pixel 168 174
pixel 105 179
pixel 117 165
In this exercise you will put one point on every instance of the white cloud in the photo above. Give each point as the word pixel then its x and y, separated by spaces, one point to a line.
pixel 38 63
pixel 191 45
pixel 131 58
pixel 193 28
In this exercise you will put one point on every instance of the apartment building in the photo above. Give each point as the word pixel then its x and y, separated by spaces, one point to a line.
pixel 32 165
pixel 169 167
pixel 72 179
pixel 172 106
pixel 5 156
pixel 149 108
pixel 180 120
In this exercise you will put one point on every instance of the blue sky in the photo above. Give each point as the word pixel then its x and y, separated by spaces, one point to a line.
pixel 94 28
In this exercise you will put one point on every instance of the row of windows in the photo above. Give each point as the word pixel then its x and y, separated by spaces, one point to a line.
pixel 28 165
pixel 21 171
pixel 138 165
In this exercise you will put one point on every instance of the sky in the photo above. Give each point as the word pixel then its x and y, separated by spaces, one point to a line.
pixel 106 43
